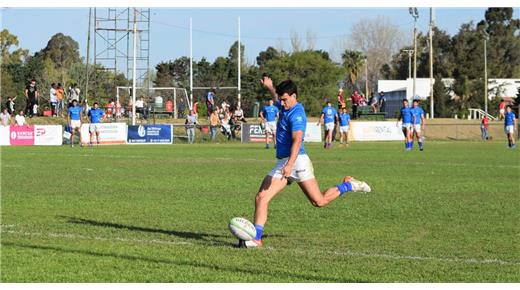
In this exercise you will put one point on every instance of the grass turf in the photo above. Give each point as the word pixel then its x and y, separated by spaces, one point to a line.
pixel 159 214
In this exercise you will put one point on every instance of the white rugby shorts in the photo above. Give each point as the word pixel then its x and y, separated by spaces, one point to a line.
pixel 329 126
pixel 343 129
pixel 302 169
pixel 270 127
pixel 407 126
pixel 509 129
pixel 75 124
pixel 417 128
pixel 94 127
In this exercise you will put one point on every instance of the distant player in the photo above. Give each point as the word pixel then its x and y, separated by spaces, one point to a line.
pixel 96 116
pixel 344 125
pixel 510 124
pixel 293 164
pixel 74 120
pixel 406 116
pixel 329 116
pixel 418 123
pixel 269 114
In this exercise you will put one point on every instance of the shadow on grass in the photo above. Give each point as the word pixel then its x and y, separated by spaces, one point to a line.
pixel 198 264
pixel 214 238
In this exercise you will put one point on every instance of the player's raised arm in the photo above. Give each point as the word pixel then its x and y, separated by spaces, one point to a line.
pixel 267 82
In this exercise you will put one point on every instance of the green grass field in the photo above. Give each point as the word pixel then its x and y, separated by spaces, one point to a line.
pixel 159 214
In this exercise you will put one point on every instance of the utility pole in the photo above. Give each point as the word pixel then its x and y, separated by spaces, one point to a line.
pixel 415 14
pixel 410 53
pixel 486 36
pixel 239 60
pixel 134 74
pixel 88 52
pixel 366 77
pixel 432 21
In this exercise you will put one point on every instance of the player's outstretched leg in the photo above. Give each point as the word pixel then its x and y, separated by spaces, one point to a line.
pixel 320 199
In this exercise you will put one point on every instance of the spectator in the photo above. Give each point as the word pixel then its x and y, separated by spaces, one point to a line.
pixel 10 105
pixel 191 121
pixel 60 93
pixel 382 102
pixel 5 117
pixel 213 124
pixel 20 119
pixel 169 106
pixel 502 108
pixel 225 121
pixel 484 126
pixel 373 102
pixel 355 98
pixel 73 95
pixel 341 99
pixel 196 108
pixel 182 107
pixel 224 105
pixel 53 99
pixel 118 109
pixel 32 95
pixel 210 101
pixel 239 114
pixel 139 106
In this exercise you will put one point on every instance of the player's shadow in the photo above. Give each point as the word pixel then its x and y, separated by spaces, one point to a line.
pixel 214 238
pixel 282 275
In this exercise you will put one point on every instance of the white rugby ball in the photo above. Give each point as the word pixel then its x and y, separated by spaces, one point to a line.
pixel 242 228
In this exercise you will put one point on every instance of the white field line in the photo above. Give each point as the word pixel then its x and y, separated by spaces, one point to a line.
pixel 297 251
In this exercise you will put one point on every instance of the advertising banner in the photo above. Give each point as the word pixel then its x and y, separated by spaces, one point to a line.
pixel 21 135
pixel 150 134
pixel 48 135
pixel 4 136
pixel 255 133
pixel 376 131
pixel 109 133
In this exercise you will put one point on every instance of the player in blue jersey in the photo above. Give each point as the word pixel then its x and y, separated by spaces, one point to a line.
pixel 406 116
pixel 417 123
pixel 74 120
pixel 344 125
pixel 269 114
pixel 96 116
pixel 293 164
pixel 329 116
pixel 510 124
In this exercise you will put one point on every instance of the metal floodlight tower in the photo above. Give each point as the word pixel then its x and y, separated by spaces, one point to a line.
pixel 415 14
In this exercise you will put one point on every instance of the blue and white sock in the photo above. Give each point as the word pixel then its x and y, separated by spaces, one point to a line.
pixel 259 232
pixel 344 188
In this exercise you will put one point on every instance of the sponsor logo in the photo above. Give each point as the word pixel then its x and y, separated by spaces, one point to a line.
pixel 141 131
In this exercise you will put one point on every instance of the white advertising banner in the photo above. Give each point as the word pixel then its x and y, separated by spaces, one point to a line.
pixel 4 136
pixel 376 131
pixel 109 133
pixel 48 135
pixel 312 133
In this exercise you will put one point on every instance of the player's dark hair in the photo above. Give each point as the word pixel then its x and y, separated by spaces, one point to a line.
pixel 416 101
pixel 288 87
pixel 95 103
pixel 405 100
pixel 509 106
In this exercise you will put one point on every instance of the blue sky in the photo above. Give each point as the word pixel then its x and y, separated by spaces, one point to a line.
pixel 260 27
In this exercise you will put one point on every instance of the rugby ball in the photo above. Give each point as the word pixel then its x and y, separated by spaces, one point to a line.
pixel 242 228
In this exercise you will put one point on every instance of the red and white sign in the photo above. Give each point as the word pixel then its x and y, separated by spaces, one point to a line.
pixel 48 135
pixel 109 133
pixel 21 135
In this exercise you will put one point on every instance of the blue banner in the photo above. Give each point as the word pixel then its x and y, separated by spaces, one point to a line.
pixel 150 134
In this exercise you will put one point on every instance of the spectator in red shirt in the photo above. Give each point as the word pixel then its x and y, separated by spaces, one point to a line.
pixel 484 128
pixel 341 100
pixel 502 108
pixel 355 98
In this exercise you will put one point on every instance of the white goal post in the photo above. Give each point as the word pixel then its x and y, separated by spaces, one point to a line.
pixel 178 93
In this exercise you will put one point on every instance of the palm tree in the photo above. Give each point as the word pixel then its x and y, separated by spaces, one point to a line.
pixel 353 61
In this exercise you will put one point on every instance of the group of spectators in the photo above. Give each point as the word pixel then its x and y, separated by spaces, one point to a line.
pixel 358 100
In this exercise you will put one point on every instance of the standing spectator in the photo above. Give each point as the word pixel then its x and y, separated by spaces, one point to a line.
pixel 182 107
pixel 5 117
pixel 32 95
pixel 191 121
pixel 341 99
pixel 73 95
pixel 382 102
pixel 60 93
pixel 239 114
pixel 210 101
pixel 118 109
pixel 74 121
pixel 213 124
pixel 196 108
pixel 373 102
pixel 53 99
pixel 20 119
pixel 484 126
pixel 139 106
pixel 502 108
pixel 96 116
pixel 225 122
pixel 10 105
pixel 355 98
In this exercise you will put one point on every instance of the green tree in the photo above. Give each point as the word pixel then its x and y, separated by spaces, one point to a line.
pixel 353 62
